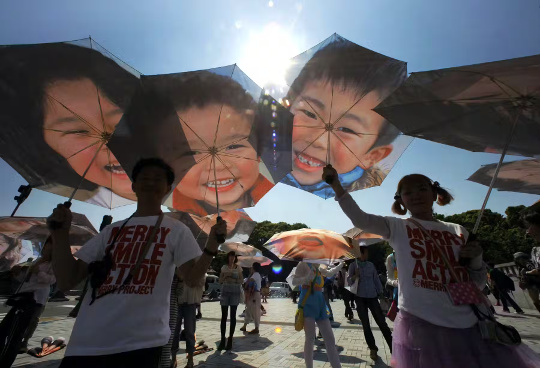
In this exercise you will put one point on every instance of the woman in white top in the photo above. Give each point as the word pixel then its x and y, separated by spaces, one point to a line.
pixel 430 331
pixel 253 299
pixel 231 280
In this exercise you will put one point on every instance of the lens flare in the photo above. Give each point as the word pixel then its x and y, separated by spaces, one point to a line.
pixel 277 269
pixel 278 330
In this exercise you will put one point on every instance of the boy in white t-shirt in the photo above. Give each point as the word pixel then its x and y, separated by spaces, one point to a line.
pixel 126 323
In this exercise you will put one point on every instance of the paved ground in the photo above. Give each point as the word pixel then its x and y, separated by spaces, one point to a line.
pixel 278 345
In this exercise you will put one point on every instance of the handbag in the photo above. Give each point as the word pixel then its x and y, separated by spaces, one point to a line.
pixel 465 292
pixel 494 331
pixel 392 312
pixel 299 316
pixel 354 287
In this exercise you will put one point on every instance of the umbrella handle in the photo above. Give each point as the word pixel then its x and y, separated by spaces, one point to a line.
pixel 220 237
pixel 54 225
pixel 329 178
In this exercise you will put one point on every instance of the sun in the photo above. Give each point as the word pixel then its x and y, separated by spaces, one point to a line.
pixel 267 54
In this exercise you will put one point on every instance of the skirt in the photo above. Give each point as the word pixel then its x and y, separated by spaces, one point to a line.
pixel 230 294
pixel 420 344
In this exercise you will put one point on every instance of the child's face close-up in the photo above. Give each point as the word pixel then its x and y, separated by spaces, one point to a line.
pixel 236 163
pixel 77 138
pixel 355 131
pixel 417 196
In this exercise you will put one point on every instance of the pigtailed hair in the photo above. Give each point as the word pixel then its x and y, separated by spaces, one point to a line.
pixel 443 196
pixel 398 209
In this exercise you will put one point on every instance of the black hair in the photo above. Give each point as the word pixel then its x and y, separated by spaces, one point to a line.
pixel 443 196
pixel 256 267
pixel 199 89
pixel 152 162
pixel 232 253
pixel 25 73
pixel 348 66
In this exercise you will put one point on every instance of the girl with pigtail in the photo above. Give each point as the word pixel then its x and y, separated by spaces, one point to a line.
pixel 430 330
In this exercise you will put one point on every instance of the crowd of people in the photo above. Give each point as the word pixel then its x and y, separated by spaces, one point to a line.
pixel 147 275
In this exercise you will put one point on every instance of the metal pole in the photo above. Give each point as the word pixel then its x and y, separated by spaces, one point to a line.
pixel 494 179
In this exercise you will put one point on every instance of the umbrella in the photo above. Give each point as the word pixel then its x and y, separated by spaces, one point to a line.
pixel 61 102
pixel 227 141
pixel 15 230
pixel 333 88
pixel 247 261
pixel 363 238
pixel 517 176
pixel 239 225
pixel 490 107
pixel 312 246
pixel 240 249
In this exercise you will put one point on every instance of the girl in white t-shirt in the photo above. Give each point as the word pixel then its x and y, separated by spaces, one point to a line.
pixel 430 331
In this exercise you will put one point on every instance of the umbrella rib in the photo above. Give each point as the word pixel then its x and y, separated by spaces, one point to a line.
pixel 347 111
pixel 348 148
pixel 218 122
pixel 315 111
pixel 85 148
pixel 100 110
pixel 232 143
pixel 207 180
pixel 493 79
pixel 460 100
pixel 330 121
pixel 202 159
pixel 198 136
pixel 234 177
pixel 307 126
pixel 76 115
pixel 309 145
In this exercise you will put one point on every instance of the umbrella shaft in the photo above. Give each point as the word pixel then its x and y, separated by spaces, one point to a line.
pixel 85 172
pixel 494 179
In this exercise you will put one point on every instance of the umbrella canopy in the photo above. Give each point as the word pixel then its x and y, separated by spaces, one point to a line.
pixel 62 102
pixel 480 108
pixel 240 249
pixel 363 238
pixel 247 261
pixel 333 88
pixel 239 225
pixel 228 142
pixel 312 246
pixel 517 176
pixel 23 237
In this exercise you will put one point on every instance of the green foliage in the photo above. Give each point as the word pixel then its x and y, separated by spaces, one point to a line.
pixel 500 236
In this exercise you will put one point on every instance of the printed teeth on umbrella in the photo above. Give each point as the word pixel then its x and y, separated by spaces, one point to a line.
pixel 305 160
pixel 220 183
pixel 115 169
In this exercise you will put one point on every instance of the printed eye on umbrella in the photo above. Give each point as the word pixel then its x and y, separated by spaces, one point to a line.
pixel 82 91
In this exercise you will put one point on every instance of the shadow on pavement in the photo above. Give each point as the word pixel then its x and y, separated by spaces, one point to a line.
pixel 320 355
pixel 226 359
pixel 249 343
pixel 42 364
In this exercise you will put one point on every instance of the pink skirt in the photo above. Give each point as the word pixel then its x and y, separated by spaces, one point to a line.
pixel 420 344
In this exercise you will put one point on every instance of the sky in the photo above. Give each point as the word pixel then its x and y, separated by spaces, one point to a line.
pixel 157 37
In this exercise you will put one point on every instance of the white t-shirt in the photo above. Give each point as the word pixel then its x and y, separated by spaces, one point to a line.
pixel 138 316
pixel 422 273
pixel 257 278
pixel 40 283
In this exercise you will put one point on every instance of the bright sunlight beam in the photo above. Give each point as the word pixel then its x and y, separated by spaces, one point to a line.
pixel 266 56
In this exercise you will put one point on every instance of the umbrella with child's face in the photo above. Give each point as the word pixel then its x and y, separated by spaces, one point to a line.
pixel 226 141
pixel 333 88
pixel 247 261
pixel 240 249
pixel 363 238
pixel 239 225
pixel 517 176
pixel 312 246
pixel 15 230
pixel 491 107
pixel 62 102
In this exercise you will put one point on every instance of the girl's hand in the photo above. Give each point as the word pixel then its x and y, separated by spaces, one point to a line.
pixel 471 250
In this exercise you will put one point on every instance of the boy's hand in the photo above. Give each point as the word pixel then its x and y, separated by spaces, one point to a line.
pixel 61 217
pixel 330 176
pixel 219 230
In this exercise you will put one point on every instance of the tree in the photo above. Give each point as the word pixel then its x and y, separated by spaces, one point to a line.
pixel 500 236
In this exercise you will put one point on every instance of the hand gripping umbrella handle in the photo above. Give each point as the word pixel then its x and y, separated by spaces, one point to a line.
pixel 54 225
pixel 220 237
pixel 329 179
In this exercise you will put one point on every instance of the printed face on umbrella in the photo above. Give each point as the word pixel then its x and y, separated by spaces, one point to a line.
pixel 354 131
pixel 315 244
pixel 235 163
pixel 75 123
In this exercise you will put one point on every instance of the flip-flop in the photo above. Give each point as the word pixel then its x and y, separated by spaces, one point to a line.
pixel 57 344
pixel 35 352
pixel 202 351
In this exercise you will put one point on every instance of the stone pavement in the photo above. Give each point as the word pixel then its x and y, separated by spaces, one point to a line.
pixel 278 345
